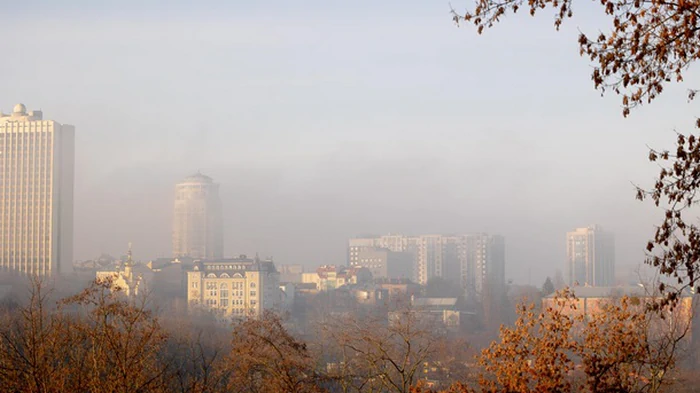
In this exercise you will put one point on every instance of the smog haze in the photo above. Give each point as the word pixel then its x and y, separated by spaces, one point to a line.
pixel 322 121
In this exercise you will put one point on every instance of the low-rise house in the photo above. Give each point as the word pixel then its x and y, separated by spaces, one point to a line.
pixel 331 277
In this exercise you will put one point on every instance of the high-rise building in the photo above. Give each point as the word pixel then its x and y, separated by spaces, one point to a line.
pixel 471 261
pixel 590 257
pixel 36 193
pixel 484 263
pixel 197 222
pixel 386 264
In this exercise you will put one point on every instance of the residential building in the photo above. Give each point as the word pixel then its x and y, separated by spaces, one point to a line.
pixel 36 193
pixel 290 273
pixel 482 264
pixel 197 220
pixel 384 263
pixel 590 257
pixel 391 242
pixel 234 287
pixel 400 288
pixel 442 310
pixel 288 294
pixel 471 261
pixel 331 277
pixel 169 277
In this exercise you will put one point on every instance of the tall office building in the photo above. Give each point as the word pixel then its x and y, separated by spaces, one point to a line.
pixel 590 257
pixel 472 261
pixel 197 222
pixel 36 193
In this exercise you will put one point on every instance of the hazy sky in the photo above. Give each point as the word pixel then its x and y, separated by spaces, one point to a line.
pixel 325 119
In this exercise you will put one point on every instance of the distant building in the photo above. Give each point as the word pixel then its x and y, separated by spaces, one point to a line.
pixel 437 313
pixel 590 255
pixel 384 263
pixel 400 288
pixel 290 273
pixel 591 300
pixel 288 293
pixel 471 261
pixel 197 222
pixel 103 262
pixel 123 278
pixel 393 243
pixel 331 277
pixel 235 287
pixel 36 193
pixel 444 310
pixel 371 295
pixel 170 277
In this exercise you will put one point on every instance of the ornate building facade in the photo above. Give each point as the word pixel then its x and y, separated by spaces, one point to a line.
pixel 234 287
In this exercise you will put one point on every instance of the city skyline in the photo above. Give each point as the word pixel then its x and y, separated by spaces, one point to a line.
pixel 297 116
pixel 471 261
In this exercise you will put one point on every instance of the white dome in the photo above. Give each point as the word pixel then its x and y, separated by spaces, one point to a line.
pixel 20 108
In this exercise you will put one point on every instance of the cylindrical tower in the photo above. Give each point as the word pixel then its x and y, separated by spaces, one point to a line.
pixel 197 222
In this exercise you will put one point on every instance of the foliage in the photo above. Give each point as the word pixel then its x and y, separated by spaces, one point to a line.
pixel 110 345
pixel 102 341
pixel 266 358
pixel 677 239
pixel 534 355
pixel 622 346
pixel 375 355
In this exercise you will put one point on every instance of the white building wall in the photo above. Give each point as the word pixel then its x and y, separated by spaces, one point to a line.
pixel 36 193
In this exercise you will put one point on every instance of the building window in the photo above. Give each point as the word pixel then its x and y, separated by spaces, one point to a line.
pixel 223 295
pixel 211 288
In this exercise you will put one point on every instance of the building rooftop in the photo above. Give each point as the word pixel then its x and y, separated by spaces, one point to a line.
pixel 198 178
pixel 231 266
pixel 434 302
pixel 19 113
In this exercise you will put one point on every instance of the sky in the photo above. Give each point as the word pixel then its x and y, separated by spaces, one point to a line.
pixel 322 120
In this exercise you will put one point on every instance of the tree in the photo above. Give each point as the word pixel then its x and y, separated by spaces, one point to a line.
pixel 265 357
pixel 534 355
pixel 675 248
pixel 374 355
pixel 621 347
pixel 35 347
pixel 120 341
pixel 547 287
pixel 95 341
pixel 650 44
